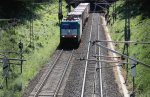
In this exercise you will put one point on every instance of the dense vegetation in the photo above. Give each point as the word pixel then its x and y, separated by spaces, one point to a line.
pixel 37 28
pixel 39 45
pixel 140 31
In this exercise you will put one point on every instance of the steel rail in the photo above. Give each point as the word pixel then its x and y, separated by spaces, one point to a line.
pixel 47 75
pixel 100 66
pixel 95 72
pixel 87 56
pixel 63 75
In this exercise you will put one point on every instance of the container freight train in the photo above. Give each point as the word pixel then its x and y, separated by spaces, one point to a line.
pixel 71 27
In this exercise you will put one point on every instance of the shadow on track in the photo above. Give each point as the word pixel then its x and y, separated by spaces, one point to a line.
pixel 68 45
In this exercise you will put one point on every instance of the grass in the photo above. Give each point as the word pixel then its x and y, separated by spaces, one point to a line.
pixel 37 52
pixel 140 31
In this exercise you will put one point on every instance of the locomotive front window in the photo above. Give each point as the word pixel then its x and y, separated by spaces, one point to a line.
pixel 64 26
pixel 73 26
pixel 69 26
pixel 69 29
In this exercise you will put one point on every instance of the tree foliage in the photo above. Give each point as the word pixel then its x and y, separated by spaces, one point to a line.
pixel 16 8
pixel 142 7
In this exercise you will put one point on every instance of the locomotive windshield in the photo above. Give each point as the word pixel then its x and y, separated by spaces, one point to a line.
pixel 69 28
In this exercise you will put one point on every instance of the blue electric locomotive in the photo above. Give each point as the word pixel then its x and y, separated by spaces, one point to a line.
pixel 71 27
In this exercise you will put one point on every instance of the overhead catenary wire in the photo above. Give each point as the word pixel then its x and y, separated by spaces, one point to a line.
pixel 125 56
pixel 129 42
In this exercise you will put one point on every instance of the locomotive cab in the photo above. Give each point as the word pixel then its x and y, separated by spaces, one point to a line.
pixel 72 26
pixel 70 29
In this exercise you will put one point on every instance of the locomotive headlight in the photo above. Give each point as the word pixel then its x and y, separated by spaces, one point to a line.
pixel 63 36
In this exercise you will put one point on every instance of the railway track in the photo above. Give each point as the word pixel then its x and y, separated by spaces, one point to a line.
pixel 99 64
pixel 53 82
pixel 92 82
pixel 90 78
pixel 87 87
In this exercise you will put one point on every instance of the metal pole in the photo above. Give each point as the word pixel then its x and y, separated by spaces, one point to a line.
pixel 133 93
pixel 32 32
pixel 30 25
pixel 127 35
pixel 133 72
pixel 127 65
pixel 21 53
pixel 60 16
pixel 6 82
pixel 133 84
pixel 69 8
pixel 21 62
pixel 113 13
